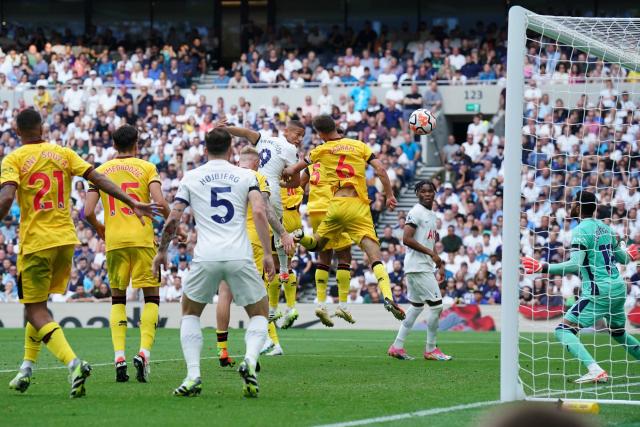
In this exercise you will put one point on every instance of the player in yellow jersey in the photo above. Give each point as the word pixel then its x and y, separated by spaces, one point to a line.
pixel 130 247
pixel 343 164
pixel 320 194
pixel 291 200
pixel 40 173
pixel 250 159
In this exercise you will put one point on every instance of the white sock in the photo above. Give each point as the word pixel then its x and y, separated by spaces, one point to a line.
pixel 255 337
pixel 407 324
pixel 283 259
pixel 71 365
pixel 433 319
pixel 191 340
pixel 342 305
pixel 594 367
pixel 147 353
pixel 27 364
pixel 119 354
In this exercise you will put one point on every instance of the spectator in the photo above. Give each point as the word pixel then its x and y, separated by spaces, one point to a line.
pixel 451 241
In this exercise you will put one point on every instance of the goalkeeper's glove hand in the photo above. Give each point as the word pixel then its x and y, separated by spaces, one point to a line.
pixel 530 265
pixel 633 251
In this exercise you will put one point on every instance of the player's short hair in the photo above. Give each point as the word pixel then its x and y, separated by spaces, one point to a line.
pixel 218 141
pixel 422 183
pixel 249 151
pixel 125 137
pixel 28 120
pixel 296 124
pixel 324 123
pixel 588 202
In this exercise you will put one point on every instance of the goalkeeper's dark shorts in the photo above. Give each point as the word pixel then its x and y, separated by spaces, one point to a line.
pixel 588 310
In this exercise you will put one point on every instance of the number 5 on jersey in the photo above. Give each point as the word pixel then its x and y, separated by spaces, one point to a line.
pixel 217 201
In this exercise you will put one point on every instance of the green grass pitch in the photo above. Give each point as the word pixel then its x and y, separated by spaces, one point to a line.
pixel 326 376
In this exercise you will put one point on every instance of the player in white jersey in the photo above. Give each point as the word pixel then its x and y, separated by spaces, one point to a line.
pixel 276 154
pixel 420 265
pixel 217 194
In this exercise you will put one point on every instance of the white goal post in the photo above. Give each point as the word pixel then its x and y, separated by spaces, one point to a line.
pixel 524 373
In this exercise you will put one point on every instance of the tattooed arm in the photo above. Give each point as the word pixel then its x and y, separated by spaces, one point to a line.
pixel 276 225
pixel 168 233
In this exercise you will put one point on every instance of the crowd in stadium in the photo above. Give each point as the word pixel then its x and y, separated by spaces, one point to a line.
pixel 84 94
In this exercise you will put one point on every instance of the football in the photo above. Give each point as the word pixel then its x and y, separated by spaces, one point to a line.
pixel 422 122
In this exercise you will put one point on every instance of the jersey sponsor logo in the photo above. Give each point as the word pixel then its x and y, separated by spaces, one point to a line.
pixel 432 235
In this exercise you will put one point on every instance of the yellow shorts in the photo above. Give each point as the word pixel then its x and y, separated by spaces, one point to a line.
pixel 291 220
pixel 133 265
pixel 44 272
pixel 347 215
pixel 341 242
pixel 258 257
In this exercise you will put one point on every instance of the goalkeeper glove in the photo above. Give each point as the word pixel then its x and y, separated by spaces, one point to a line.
pixel 633 251
pixel 530 265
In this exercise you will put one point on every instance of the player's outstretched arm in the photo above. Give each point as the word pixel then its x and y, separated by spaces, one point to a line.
pixel 249 134
pixel 90 204
pixel 105 184
pixel 168 233
pixel 262 227
pixel 408 239
pixel 576 259
pixel 386 182
pixel 7 194
pixel 276 225
pixel 155 190
pixel 294 169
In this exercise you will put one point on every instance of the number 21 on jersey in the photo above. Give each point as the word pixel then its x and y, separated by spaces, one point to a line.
pixel 45 180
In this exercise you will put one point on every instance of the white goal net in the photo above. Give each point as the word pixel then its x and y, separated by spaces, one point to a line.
pixel 573 124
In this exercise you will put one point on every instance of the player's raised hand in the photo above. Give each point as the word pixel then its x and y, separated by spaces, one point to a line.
pixel 220 123
pixel 392 203
pixel 269 268
pixel 146 209
pixel 633 251
pixel 158 261
pixel 530 265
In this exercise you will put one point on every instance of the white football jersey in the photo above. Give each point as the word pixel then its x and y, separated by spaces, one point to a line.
pixel 424 221
pixel 217 193
pixel 275 155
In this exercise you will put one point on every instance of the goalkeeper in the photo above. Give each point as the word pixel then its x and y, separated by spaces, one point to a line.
pixel 595 250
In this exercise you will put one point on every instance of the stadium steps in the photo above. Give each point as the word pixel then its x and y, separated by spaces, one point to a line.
pixel 406 200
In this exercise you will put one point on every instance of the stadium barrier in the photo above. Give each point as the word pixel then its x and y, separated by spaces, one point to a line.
pixel 368 316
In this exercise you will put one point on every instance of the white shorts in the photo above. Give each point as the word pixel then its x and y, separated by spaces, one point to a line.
pixel 203 280
pixel 422 287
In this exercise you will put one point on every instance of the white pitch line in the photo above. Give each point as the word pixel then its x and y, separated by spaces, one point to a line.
pixel 324 356
pixel 406 415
